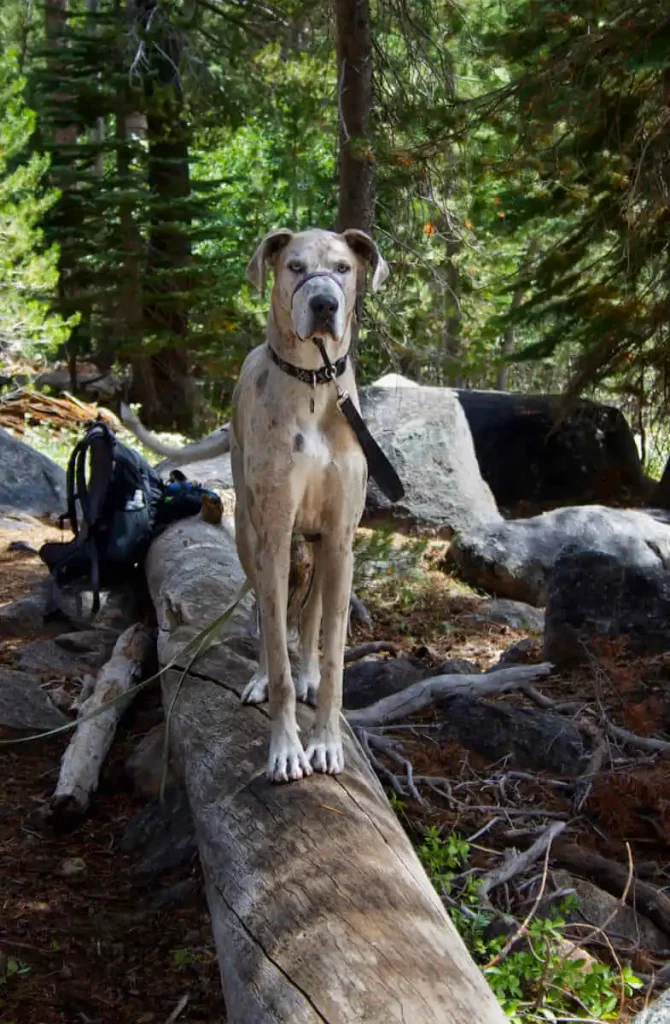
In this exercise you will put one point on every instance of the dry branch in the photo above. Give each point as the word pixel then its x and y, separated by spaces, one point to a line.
pixel 428 692
pixel 321 911
pixel 522 861
pixel 83 759
pixel 372 647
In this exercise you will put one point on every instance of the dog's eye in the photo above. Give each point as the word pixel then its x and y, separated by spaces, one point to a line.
pixel 343 268
pixel 296 267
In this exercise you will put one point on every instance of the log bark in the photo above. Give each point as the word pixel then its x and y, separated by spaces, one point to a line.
pixel 321 911
pixel 86 752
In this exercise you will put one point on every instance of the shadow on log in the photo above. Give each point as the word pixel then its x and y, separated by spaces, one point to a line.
pixel 320 908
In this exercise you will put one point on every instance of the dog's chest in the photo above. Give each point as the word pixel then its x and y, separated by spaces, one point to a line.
pixel 328 477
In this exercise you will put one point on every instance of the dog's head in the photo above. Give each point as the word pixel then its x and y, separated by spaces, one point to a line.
pixel 318 276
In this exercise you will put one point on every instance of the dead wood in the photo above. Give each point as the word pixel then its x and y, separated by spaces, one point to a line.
pixel 429 692
pixel 90 743
pixel 518 864
pixel 320 909
pixel 372 647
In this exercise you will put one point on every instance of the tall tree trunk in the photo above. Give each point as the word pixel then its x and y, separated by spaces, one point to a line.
pixel 161 380
pixel 62 131
pixel 354 75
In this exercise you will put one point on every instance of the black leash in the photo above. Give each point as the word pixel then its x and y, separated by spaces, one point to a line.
pixel 379 467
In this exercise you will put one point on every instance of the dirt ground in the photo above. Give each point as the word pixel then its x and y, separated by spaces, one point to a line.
pixel 92 947
pixel 91 943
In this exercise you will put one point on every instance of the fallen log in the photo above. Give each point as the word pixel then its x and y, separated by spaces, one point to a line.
pixel 83 759
pixel 321 911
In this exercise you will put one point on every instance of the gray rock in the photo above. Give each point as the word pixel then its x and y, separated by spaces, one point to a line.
pixel 30 482
pixel 164 833
pixel 624 924
pixel 657 1013
pixel 371 679
pixel 535 454
pixel 144 767
pixel 69 655
pixel 425 434
pixel 213 473
pixel 185 892
pixel 71 867
pixel 514 559
pixel 531 739
pixel 593 595
pixel 26 617
pixel 456 667
pixel 25 705
pixel 515 614
pixel 524 652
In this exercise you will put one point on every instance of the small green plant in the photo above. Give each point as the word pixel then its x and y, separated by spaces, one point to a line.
pixel 539 982
pixel 377 557
pixel 182 958
pixel 397 803
pixel 10 968
pixel 442 856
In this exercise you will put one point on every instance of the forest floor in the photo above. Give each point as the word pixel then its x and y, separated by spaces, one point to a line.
pixel 85 937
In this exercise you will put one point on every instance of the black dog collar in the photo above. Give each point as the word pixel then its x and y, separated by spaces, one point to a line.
pixel 323 375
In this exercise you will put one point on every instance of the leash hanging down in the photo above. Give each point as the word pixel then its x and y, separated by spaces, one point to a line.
pixel 379 467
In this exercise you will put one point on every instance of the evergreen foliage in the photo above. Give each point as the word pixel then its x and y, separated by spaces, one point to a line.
pixel 520 157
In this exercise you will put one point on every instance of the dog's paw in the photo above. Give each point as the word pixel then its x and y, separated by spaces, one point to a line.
pixel 307 688
pixel 287 761
pixel 256 690
pixel 325 751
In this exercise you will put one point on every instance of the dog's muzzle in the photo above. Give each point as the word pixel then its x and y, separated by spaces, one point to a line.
pixel 323 305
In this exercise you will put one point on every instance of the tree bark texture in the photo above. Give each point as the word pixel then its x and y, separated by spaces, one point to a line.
pixel 320 908
pixel 161 378
pixel 354 71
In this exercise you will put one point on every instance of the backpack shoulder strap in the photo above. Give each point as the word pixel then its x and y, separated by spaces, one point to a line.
pixel 100 442
pixel 71 513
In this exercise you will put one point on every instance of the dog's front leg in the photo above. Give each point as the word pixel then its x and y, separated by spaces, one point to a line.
pixel 287 760
pixel 336 571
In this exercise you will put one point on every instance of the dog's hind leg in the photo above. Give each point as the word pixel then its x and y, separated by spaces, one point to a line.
pixel 309 676
pixel 335 566
pixel 256 690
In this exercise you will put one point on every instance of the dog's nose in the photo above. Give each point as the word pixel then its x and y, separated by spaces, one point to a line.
pixel 323 306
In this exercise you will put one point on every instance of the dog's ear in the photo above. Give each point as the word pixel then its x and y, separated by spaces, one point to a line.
pixel 363 246
pixel 273 242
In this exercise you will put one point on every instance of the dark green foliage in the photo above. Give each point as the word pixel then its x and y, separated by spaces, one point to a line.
pixel 588 112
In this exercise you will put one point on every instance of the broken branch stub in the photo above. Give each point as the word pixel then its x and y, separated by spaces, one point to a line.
pixel 90 743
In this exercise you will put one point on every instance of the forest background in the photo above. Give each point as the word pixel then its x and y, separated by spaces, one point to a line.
pixel 511 158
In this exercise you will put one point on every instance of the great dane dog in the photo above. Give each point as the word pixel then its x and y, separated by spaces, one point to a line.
pixel 298 469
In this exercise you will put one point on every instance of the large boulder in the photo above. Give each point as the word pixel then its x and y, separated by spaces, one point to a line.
pixel 600 909
pixel 536 455
pixel 30 482
pixel 215 473
pixel 424 432
pixel 592 594
pixel 515 558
